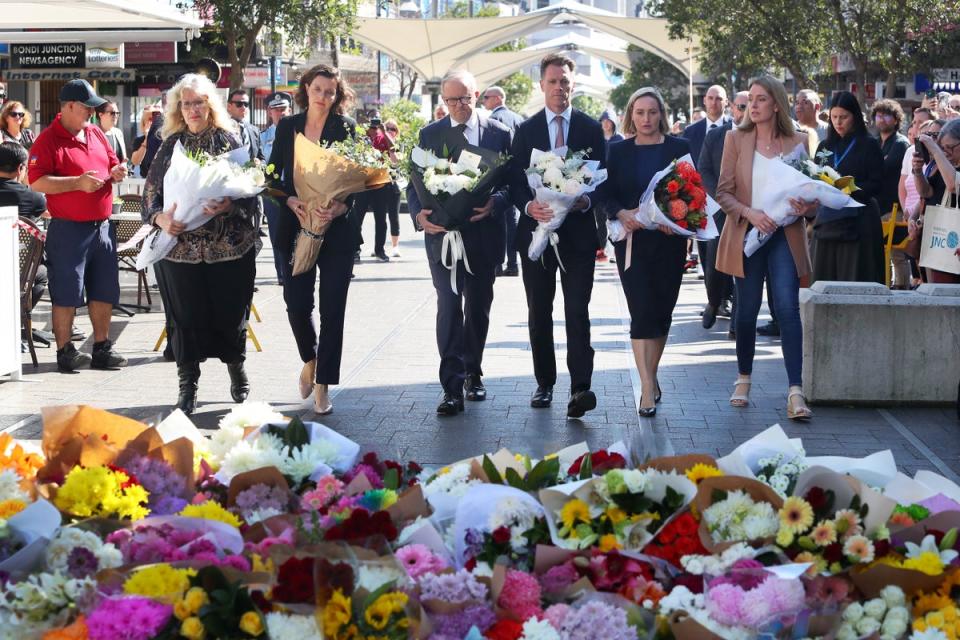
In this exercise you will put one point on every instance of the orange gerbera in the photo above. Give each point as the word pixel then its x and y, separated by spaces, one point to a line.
pixel 25 464
pixel 75 631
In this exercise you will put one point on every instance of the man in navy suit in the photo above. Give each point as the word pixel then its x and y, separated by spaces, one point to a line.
pixel 494 99
pixel 558 125
pixel 719 285
pixel 714 102
pixel 463 317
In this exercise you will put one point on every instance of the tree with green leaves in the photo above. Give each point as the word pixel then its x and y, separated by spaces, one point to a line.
pixel 240 22
pixel 650 70
pixel 588 104
pixel 409 121
pixel 790 34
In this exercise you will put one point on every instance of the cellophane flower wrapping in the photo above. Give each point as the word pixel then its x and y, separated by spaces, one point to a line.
pixel 660 194
pixel 190 182
pixel 487 507
pixel 558 178
pixel 782 181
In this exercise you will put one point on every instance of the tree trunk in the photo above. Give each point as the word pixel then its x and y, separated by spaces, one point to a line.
pixel 335 50
pixel 890 88
pixel 413 85
pixel 861 68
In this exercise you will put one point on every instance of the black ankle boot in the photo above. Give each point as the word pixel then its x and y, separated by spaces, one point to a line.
pixel 239 385
pixel 189 374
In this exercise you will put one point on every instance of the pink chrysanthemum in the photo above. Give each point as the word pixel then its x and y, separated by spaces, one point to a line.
pixel 418 560
pixel 127 619
pixel 556 614
pixel 520 596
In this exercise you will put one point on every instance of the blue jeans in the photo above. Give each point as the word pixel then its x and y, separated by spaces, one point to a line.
pixel 775 261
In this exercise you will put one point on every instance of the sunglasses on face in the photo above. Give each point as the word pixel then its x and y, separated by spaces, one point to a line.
pixel 393 130
pixel 17 114
pixel 240 103
pixel 739 107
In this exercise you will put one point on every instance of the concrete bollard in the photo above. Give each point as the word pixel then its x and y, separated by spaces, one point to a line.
pixel 866 344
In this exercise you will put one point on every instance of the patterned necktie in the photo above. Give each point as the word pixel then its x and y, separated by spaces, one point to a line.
pixel 560 141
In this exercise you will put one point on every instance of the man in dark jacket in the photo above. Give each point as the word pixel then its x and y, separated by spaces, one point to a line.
pixel 238 106
pixel 494 99
pixel 463 315
pixel 558 125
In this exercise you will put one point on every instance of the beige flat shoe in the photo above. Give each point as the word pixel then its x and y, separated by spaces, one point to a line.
pixel 797 409
pixel 741 392
pixel 307 378
pixel 321 400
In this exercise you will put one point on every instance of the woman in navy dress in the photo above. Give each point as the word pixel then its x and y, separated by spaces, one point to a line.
pixel 652 283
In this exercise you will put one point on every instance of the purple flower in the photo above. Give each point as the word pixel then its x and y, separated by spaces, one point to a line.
pixel 262 497
pixel 81 563
pixel 597 619
pixel 473 540
pixel 168 505
pixel 127 619
pixel 457 625
pixel 158 478
pixel 455 588
pixel 559 577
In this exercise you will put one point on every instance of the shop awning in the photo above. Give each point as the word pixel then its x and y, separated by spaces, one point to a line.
pixel 95 20
pixel 433 47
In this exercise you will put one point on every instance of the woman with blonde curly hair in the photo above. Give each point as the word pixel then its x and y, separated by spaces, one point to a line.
pixel 15 124
pixel 206 281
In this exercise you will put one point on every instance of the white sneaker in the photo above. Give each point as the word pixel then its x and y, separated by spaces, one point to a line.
pixel 396 252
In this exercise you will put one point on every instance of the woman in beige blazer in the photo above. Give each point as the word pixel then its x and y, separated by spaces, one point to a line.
pixel 768 130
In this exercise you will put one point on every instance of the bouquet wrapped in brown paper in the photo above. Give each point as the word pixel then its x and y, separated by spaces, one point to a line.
pixel 714 490
pixel 320 176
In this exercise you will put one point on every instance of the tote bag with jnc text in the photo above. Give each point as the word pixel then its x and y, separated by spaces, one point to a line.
pixel 941 235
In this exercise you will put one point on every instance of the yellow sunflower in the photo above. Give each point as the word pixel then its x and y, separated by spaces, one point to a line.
pixel 574 512
pixel 701 471
pixel 796 515
pixel 336 613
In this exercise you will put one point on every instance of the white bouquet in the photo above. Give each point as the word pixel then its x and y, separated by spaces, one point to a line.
pixel 557 179
pixel 190 182
pixel 793 176
pixel 488 507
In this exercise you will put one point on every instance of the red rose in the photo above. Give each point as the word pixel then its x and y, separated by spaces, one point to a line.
pixel 881 548
pixel 673 187
pixel 682 224
pixel 690 581
pixel 833 553
pixel 295 581
pixel 505 629
pixel 703 222
pixel 817 498
pixel 501 535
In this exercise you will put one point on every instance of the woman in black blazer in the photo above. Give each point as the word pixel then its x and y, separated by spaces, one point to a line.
pixel 851 249
pixel 652 283
pixel 323 96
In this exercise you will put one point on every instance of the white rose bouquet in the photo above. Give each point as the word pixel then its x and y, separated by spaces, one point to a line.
pixel 190 182
pixel 558 178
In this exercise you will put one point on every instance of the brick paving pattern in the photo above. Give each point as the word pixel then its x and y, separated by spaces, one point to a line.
pixel 389 389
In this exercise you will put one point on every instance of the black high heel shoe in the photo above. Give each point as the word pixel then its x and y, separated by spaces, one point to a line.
pixel 659 395
pixel 646 412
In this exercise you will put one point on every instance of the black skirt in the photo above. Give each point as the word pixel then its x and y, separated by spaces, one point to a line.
pixel 208 305
pixel 652 284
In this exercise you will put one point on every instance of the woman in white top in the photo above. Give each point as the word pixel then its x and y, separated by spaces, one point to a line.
pixel 108 117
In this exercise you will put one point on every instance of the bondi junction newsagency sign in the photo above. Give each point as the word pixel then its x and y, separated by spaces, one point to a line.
pixel 68 60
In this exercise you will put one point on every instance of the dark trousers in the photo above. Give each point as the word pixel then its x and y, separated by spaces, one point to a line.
pixel 719 285
pixel 540 284
pixel 326 345
pixel 462 321
pixel 510 217
pixel 393 208
pixel 207 307
pixel 378 201
pixel 271 209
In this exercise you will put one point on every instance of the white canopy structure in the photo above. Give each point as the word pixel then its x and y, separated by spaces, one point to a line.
pixel 95 20
pixel 433 47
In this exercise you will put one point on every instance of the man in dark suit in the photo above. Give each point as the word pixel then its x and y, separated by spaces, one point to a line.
pixel 714 102
pixel 238 106
pixel 494 99
pixel 558 125
pixel 463 316
pixel 719 285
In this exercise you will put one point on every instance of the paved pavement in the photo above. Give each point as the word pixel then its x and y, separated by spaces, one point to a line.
pixel 389 389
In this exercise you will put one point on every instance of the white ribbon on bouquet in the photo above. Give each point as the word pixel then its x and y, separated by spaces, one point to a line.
pixel 452 247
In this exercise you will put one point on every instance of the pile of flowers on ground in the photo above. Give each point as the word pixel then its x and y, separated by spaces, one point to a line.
pixel 275 528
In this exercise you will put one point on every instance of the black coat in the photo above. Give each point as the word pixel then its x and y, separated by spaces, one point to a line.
pixel 708 163
pixel 695 134
pixel 893 152
pixel 250 136
pixel 510 119
pixel 484 240
pixel 579 230
pixel 626 182
pixel 341 237
pixel 864 162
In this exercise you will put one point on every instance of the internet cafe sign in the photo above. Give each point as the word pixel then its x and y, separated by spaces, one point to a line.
pixel 66 55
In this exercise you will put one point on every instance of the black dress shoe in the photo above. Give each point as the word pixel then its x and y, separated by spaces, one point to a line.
pixel 580 403
pixel 239 384
pixel 542 397
pixel 189 377
pixel 511 271
pixel 450 406
pixel 709 316
pixel 473 388
pixel 647 412
pixel 769 329
pixel 498 271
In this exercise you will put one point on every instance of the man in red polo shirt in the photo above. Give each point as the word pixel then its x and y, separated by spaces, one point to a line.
pixel 74 165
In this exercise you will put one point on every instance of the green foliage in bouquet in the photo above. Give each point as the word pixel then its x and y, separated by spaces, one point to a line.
pixel 542 475
pixel 215 607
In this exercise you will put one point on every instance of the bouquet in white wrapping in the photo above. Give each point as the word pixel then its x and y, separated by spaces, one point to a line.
pixel 557 179
pixel 674 198
pixel 793 176
pixel 190 182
